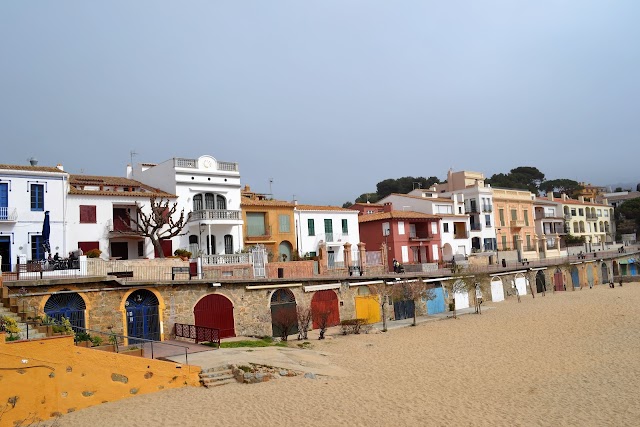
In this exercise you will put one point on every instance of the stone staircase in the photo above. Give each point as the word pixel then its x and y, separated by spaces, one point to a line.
pixel 214 377
pixel 33 332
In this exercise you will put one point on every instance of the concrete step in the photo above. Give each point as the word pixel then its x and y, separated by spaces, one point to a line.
pixel 210 378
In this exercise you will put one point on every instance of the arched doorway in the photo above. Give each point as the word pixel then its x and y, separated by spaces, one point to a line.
pixel 604 272
pixel 497 290
pixel 283 312
pixel 70 305
pixel 143 319
pixel 558 280
pixel 447 252
pixel 325 303
pixel 541 285
pixel 590 275
pixel 215 311
pixel 284 250
pixel 575 277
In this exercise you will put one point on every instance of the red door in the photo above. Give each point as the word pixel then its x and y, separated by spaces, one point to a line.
pixel 558 281
pixel 215 311
pixel 325 303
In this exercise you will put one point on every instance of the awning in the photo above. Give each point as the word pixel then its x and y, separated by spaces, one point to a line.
pixel 627 261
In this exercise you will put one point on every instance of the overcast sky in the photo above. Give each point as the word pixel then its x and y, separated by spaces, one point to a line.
pixel 327 98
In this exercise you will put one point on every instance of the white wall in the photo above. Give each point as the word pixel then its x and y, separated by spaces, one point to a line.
pixel 308 243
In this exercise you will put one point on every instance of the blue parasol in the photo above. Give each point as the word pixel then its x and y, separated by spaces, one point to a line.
pixel 46 233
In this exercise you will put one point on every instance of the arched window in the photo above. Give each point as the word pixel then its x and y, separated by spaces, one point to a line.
pixel 209 201
pixel 193 239
pixel 221 202
pixel 197 202
pixel 576 227
pixel 606 227
pixel 582 226
pixel 228 244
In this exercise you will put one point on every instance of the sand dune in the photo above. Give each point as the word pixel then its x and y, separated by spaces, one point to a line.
pixel 566 359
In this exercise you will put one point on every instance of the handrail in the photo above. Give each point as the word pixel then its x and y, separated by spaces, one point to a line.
pixel 198 333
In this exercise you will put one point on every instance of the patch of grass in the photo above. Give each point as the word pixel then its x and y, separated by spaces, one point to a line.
pixel 305 344
pixel 262 342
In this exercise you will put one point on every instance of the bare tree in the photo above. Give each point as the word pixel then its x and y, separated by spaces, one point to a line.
pixel 285 323
pixel 384 292
pixel 304 321
pixel 323 322
pixel 465 281
pixel 158 223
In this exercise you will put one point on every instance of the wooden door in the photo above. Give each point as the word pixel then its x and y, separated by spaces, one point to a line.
pixel 368 308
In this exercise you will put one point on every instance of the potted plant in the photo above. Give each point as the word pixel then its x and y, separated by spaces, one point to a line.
pixel 82 339
pixel 133 351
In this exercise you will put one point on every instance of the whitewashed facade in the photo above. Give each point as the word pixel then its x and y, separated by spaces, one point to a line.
pixel 209 192
pixel 26 193
pixel 334 226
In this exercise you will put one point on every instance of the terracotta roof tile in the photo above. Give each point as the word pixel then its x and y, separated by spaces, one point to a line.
pixel 322 208
pixel 276 203
pixel 395 215
pixel 29 168
pixel 139 189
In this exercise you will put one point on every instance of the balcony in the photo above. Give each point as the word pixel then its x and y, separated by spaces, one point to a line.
pixel 476 227
pixel 487 208
pixel 420 237
pixel 547 215
pixel 592 217
pixel 568 216
pixel 8 214
pixel 215 215
pixel 517 223
pixel 264 238
pixel 470 209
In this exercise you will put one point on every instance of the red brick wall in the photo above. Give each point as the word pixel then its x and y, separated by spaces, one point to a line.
pixel 290 269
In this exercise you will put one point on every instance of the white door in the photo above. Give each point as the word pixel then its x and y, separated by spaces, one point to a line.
pixel 497 292
pixel 521 285
pixel 462 300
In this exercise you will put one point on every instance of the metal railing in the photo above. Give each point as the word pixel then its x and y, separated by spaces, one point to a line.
pixel 421 236
pixel 215 214
pixel 8 214
pixel 487 208
pixel 242 258
pixel 476 227
pixel 470 209
pixel 198 333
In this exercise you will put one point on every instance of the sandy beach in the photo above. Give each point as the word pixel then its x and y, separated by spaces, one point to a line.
pixel 566 359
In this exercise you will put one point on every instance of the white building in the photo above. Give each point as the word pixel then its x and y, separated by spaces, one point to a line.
pixel 550 226
pixel 100 210
pixel 454 222
pixel 332 225
pixel 209 192
pixel 26 193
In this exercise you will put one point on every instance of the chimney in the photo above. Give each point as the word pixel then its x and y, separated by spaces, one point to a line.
pixel 59 166
pixel 550 195
pixel 581 198
pixel 387 207
pixel 33 161
pixel 129 172
pixel 564 196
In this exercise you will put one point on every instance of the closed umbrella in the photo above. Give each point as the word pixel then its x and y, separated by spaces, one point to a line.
pixel 46 232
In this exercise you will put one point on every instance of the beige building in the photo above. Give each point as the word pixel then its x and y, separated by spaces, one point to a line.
pixel 589 219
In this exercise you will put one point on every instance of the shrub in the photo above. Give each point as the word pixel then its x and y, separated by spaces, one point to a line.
pixel 352 326
pixel 93 253
pixel 182 253
pixel 96 341
pixel 82 336
pixel 9 324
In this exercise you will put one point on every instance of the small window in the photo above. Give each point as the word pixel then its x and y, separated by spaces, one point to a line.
pixel 501 212
pixel 445 228
pixel 526 217
pixel 345 227
pixel 514 214
pixel 37 197
pixel 140 249
pixel 312 227
pixel 87 214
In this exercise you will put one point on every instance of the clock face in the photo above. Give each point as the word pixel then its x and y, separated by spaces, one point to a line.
pixel 207 163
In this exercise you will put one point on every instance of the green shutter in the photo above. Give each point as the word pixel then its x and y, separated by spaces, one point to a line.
pixel 526 217
pixel 312 227
pixel 255 224
pixel 283 221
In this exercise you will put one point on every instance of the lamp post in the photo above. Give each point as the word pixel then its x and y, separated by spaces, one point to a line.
pixel 497 250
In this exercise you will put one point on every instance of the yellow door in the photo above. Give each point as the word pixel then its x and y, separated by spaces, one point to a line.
pixel 367 307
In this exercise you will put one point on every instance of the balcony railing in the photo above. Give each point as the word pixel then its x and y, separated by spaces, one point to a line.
pixel 328 237
pixel 8 214
pixel 591 217
pixel 568 216
pixel 476 227
pixel 517 223
pixel 470 209
pixel 548 215
pixel 193 164
pixel 215 214
pixel 258 238
pixel 487 208
pixel 225 259
pixel 420 237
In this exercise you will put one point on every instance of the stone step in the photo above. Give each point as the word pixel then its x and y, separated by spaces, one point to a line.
pixel 213 374
pixel 220 383
pixel 209 377
pixel 217 368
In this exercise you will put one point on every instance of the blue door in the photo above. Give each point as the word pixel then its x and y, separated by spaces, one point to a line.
pixel 575 279
pixel 143 320
pixel 4 202
pixel 632 269
pixel 436 305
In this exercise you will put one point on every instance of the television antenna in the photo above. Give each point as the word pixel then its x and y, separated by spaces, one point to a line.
pixel 270 182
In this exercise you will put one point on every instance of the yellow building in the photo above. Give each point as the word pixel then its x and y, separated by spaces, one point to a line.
pixel 515 227
pixel 589 219
pixel 270 223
